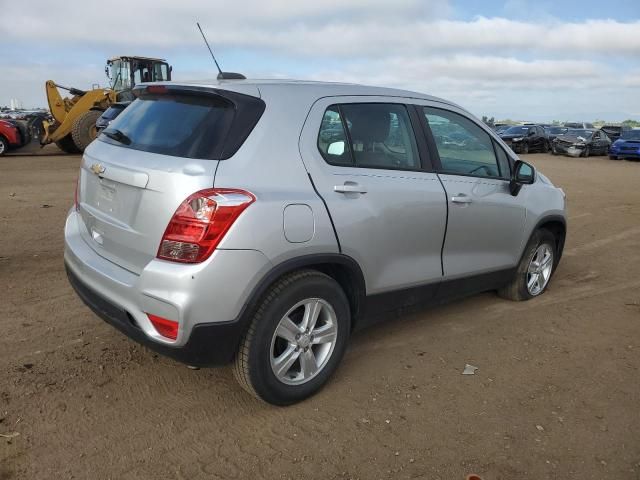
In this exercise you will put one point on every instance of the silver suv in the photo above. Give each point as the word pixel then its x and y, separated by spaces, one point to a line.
pixel 261 222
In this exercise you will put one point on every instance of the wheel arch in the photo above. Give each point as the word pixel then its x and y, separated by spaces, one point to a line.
pixel 557 225
pixel 342 268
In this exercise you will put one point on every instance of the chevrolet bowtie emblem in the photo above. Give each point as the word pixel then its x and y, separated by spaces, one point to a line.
pixel 98 169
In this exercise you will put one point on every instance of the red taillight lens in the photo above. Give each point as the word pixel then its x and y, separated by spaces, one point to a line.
pixel 200 223
pixel 166 328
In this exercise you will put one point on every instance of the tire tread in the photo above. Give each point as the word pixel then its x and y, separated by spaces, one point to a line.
pixel 241 365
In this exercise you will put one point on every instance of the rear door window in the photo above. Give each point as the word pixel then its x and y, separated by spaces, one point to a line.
pixel 181 125
pixel 369 135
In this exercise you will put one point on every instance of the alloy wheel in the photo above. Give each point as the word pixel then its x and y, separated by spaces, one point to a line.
pixel 303 341
pixel 539 271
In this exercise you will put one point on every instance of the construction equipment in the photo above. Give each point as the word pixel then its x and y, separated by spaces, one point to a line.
pixel 74 124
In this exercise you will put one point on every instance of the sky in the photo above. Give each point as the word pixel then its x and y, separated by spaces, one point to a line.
pixel 528 60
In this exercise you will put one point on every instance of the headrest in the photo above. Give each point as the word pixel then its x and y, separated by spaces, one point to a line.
pixel 370 126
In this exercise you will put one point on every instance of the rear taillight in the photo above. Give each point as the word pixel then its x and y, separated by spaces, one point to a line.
pixel 200 223
pixel 166 328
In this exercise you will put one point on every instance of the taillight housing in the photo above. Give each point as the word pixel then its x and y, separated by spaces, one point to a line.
pixel 201 222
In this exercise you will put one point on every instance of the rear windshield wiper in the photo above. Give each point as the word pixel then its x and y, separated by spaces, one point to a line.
pixel 117 135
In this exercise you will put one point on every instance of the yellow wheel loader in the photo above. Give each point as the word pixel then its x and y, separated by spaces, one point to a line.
pixel 74 118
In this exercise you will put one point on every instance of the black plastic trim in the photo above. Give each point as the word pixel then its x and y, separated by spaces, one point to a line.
pixel 381 306
pixel 421 139
pixel 553 219
pixel 209 344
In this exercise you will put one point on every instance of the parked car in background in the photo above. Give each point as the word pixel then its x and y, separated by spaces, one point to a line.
pixel 553 131
pixel 627 146
pixel 367 200
pixel 110 114
pixel 526 138
pixel 501 127
pixel 10 136
pixel 579 125
pixel 613 131
pixel 581 143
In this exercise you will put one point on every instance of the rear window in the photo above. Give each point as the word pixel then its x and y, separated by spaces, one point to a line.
pixel 185 124
pixel 112 112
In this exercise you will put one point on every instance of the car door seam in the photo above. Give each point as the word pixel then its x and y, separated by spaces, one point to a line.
pixel 446 224
pixel 326 207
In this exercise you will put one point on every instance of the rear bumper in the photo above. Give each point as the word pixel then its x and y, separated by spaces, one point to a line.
pixel 625 153
pixel 568 149
pixel 209 344
pixel 207 299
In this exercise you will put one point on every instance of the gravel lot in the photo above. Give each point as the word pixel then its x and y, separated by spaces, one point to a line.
pixel 556 396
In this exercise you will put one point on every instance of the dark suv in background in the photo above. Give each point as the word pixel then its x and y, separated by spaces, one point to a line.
pixel 526 138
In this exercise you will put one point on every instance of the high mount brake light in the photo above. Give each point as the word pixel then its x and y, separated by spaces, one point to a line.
pixel 157 89
pixel 201 222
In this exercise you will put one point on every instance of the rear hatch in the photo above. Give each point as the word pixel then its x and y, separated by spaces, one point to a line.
pixel 165 146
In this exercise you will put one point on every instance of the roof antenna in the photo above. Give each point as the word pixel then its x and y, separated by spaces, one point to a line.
pixel 221 75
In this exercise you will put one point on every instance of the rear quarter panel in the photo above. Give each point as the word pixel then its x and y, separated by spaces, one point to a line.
pixel 269 165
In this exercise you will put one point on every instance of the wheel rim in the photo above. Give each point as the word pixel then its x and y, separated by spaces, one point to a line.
pixel 1 148
pixel 539 270
pixel 303 341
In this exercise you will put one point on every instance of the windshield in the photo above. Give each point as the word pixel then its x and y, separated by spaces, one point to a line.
pixel 630 135
pixel 556 130
pixel 516 130
pixel 580 133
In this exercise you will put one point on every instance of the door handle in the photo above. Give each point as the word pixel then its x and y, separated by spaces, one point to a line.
pixel 349 188
pixel 461 198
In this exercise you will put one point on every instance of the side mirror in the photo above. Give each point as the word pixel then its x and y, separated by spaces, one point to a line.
pixel 523 174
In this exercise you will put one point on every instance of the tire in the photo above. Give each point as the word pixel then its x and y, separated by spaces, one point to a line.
pixel 587 152
pixel 525 148
pixel 517 289
pixel 67 145
pixel 545 147
pixel 554 151
pixel 260 346
pixel 4 145
pixel 84 129
pixel 614 157
pixel 23 128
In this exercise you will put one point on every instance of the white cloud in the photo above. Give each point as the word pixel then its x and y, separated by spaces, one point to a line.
pixel 504 86
pixel 484 63
pixel 329 28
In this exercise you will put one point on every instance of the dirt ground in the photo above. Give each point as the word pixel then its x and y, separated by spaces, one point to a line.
pixel 556 396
